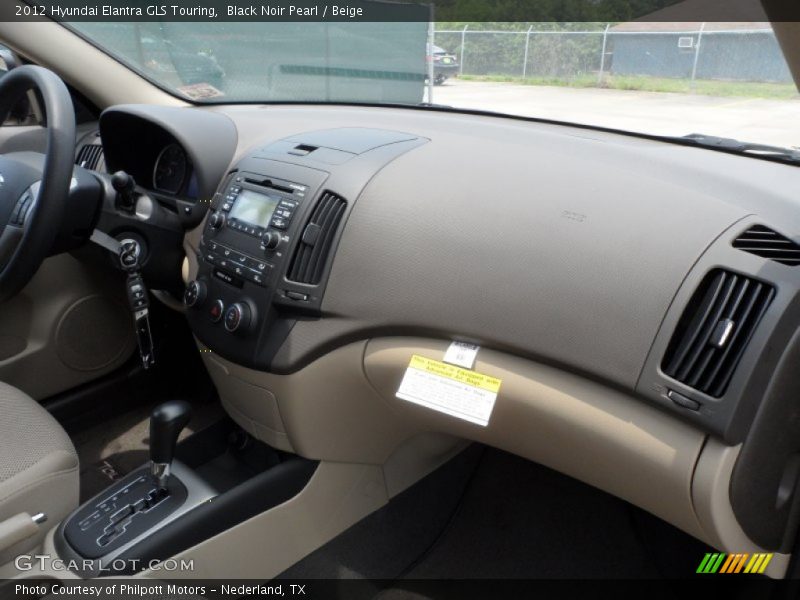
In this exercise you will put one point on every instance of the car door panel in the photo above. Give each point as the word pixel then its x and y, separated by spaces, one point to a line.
pixel 69 325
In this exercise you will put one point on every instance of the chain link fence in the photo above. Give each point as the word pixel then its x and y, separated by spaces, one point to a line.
pixel 751 55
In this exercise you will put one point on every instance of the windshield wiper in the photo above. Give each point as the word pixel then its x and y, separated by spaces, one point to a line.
pixel 740 147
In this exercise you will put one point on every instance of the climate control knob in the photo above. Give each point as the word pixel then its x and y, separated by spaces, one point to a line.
pixel 194 294
pixel 216 220
pixel 270 240
pixel 237 317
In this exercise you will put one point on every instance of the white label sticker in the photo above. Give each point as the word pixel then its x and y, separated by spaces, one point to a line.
pixel 449 389
pixel 200 91
pixel 461 354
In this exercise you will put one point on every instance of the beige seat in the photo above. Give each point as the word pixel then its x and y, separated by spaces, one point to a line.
pixel 38 468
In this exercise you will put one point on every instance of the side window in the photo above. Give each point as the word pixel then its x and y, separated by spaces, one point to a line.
pixel 6 56
pixel 23 112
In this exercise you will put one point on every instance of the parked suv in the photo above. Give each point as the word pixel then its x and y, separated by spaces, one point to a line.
pixel 445 64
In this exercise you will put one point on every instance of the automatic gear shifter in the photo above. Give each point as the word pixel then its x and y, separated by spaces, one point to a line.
pixel 130 510
pixel 166 423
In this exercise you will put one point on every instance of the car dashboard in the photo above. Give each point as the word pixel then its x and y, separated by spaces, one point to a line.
pixel 638 299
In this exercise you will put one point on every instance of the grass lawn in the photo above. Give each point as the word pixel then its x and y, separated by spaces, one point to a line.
pixel 747 89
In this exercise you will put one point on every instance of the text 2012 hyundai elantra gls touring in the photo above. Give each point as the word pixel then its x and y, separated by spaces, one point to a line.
pixel 276 308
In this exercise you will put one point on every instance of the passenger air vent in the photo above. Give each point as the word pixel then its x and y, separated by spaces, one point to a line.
pixel 763 241
pixel 713 333
pixel 90 156
pixel 312 252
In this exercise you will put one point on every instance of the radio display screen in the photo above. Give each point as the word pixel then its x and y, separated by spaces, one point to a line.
pixel 254 208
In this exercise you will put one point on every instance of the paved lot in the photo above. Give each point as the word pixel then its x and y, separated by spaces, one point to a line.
pixel 750 119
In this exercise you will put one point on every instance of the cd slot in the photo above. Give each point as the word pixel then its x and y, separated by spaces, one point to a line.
pixel 268 183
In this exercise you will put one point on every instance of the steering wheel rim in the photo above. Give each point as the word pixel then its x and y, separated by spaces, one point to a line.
pixel 23 248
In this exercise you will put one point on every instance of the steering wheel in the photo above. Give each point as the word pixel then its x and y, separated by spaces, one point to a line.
pixel 33 187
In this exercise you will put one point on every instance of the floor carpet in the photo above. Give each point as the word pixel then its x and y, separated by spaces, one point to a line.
pixel 488 514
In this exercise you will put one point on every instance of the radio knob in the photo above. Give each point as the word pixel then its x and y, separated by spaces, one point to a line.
pixel 270 240
pixel 237 317
pixel 217 220
pixel 194 294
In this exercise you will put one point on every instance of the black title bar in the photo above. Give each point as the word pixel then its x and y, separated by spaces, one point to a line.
pixel 212 11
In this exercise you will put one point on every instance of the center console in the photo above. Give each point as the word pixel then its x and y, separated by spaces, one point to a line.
pixel 244 252
pixel 268 242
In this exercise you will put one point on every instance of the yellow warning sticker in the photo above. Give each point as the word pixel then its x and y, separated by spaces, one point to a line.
pixel 458 392
pixel 457 373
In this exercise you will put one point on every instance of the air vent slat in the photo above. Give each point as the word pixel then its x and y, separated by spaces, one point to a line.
pixel 725 376
pixel 699 367
pixel 90 156
pixel 731 313
pixel 700 317
pixel 327 241
pixel 776 245
pixel 715 330
pixel 744 315
pixel 301 261
pixel 321 222
pixel 701 340
pixel 774 253
pixel 767 243
pixel 325 219
pixel 310 259
pixel 761 232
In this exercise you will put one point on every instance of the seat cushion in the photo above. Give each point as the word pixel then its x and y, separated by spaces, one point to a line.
pixel 38 465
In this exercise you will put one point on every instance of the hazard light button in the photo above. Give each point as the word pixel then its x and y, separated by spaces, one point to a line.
pixel 216 311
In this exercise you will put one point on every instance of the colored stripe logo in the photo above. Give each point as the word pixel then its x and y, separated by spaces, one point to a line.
pixel 720 562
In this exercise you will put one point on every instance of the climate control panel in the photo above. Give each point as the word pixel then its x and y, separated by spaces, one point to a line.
pixel 232 264
pixel 242 258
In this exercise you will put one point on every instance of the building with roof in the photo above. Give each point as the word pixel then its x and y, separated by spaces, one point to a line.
pixel 735 51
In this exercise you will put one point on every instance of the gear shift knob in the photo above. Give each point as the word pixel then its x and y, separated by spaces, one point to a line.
pixel 166 423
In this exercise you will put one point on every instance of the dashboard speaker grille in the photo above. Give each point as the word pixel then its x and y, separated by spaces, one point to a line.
pixel 315 244
pixel 90 156
pixel 763 241
pixel 715 329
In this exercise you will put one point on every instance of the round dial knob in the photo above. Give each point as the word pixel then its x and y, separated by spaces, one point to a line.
pixel 194 294
pixel 237 317
pixel 216 220
pixel 270 240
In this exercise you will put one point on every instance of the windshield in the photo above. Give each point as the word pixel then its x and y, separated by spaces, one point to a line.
pixel 659 78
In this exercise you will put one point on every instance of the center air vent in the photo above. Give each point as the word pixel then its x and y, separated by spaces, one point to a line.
pixel 713 333
pixel 312 252
pixel 90 156
pixel 763 241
